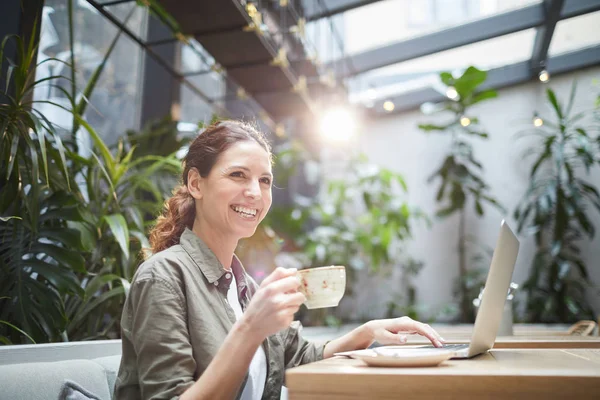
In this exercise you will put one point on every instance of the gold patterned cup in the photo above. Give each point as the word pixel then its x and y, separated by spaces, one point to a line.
pixel 323 287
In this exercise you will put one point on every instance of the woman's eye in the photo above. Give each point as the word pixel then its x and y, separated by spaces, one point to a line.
pixel 266 181
pixel 237 174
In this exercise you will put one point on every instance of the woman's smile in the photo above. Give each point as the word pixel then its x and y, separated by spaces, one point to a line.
pixel 246 213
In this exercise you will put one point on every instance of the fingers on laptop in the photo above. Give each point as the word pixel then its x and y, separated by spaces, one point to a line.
pixel 431 334
pixel 424 330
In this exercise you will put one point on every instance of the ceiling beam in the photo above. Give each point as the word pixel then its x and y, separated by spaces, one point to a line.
pixel 543 37
pixel 575 8
pixel 502 24
pixel 497 78
pixel 333 7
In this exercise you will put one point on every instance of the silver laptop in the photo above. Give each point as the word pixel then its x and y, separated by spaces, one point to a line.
pixel 490 311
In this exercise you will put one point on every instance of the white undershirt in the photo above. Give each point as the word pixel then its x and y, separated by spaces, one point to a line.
pixel 257 372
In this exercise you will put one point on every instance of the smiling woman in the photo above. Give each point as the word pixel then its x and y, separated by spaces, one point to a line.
pixel 195 325
pixel 210 164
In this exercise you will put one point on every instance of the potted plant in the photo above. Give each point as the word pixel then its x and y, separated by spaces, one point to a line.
pixel 556 209
pixel 460 174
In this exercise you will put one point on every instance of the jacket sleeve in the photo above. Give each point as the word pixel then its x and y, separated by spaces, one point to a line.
pixel 298 350
pixel 157 330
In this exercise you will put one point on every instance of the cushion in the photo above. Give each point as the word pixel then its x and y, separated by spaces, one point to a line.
pixel 111 368
pixel 73 391
pixel 44 380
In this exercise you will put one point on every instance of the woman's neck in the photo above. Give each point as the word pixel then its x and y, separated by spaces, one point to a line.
pixel 220 244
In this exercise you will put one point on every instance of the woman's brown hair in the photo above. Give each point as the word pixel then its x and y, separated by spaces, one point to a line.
pixel 179 211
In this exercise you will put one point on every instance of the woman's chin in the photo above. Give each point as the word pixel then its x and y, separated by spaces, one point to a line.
pixel 245 232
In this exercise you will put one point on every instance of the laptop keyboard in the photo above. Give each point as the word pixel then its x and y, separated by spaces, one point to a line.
pixel 453 347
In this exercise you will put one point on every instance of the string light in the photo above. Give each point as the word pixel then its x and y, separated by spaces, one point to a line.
pixel 451 93
pixel 544 76
pixel 537 121
pixel 465 121
pixel 389 106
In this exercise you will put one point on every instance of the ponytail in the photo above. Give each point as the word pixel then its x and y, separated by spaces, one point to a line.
pixel 178 213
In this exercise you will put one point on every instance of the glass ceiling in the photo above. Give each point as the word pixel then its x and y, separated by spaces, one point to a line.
pixel 575 33
pixel 385 22
pixel 424 71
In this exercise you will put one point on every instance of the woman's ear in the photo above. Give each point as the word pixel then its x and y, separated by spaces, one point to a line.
pixel 195 183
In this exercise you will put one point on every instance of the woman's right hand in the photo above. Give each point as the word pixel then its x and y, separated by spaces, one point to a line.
pixel 274 304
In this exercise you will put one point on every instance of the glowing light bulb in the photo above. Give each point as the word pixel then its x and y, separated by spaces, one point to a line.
pixel 338 125
pixel 537 121
pixel 451 93
pixel 389 106
pixel 544 76
pixel 465 121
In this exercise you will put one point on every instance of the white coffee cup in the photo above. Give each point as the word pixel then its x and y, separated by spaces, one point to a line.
pixel 323 286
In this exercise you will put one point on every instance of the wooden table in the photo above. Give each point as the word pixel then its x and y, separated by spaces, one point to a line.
pixel 521 342
pixel 503 373
pixel 526 336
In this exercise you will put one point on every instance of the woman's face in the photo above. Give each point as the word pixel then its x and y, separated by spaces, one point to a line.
pixel 236 195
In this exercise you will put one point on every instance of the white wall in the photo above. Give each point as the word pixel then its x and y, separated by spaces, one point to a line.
pixel 396 143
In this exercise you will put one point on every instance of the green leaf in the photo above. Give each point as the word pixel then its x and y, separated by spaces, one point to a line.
pixel 71 238
pixel 62 278
pixel 108 179
pixel 431 127
pixel 543 157
pixel 22 332
pixel 42 140
pixel 478 208
pixel 554 102
pixel 141 238
pixel 468 82
pixel 13 154
pixel 447 78
pixel 65 257
pixel 87 235
pixel 441 190
pixel 480 134
pixel 484 95
pixel 457 196
pixel 400 179
pixel 109 160
pixel 571 98
pixel 85 311
pixel 6 219
pixel 118 226
pixel 446 211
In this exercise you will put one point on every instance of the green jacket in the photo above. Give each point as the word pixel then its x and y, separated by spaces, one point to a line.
pixel 176 317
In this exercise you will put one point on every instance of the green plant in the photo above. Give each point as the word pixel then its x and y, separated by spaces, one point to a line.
pixel 555 209
pixel 118 193
pixel 38 253
pixel 461 182
pixel 360 221
pixel 67 250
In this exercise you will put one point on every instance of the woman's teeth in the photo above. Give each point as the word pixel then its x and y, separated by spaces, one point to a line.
pixel 246 212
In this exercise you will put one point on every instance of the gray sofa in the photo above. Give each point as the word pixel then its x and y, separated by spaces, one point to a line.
pixel 37 372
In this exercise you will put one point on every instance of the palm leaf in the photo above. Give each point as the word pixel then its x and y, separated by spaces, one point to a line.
pixel 120 231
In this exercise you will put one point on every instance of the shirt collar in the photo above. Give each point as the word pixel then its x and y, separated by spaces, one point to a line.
pixel 210 265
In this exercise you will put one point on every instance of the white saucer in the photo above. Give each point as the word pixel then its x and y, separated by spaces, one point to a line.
pixel 399 357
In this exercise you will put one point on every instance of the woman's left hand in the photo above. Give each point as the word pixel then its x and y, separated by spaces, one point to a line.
pixel 395 331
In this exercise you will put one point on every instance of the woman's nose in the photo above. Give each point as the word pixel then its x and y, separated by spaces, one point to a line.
pixel 253 190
